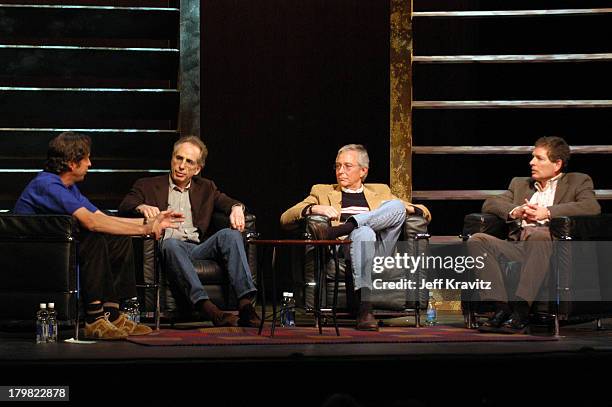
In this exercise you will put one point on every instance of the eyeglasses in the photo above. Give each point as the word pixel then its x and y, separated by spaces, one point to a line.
pixel 188 162
pixel 347 166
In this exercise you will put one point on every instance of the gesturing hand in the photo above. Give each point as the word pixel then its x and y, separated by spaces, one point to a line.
pixel 148 211
pixel 166 219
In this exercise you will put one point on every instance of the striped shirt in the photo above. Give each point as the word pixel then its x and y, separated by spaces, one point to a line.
pixel 353 203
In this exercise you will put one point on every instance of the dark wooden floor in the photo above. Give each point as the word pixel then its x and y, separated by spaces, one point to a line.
pixel 481 374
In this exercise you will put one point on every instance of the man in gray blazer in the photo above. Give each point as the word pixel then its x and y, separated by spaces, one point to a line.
pixel 527 206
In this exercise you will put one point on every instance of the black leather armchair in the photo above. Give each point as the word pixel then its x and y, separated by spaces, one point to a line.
pixel 39 264
pixel 385 302
pixel 173 303
pixel 567 281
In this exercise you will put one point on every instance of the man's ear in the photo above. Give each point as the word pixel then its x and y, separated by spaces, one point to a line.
pixel 558 166
pixel 198 170
pixel 72 165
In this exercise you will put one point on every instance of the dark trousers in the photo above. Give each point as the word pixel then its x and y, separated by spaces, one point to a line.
pixel 106 264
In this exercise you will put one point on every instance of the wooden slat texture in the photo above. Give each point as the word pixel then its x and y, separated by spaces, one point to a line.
pixel 496 59
pixel 44 66
pixel 513 104
pixel 111 148
pixel 462 195
pixel 49 107
pixel 87 22
pixel 598 149
pixel 510 13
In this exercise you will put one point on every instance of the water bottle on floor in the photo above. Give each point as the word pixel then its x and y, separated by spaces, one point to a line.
pixel 135 311
pixel 288 310
pixel 51 323
pixel 41 324
pixel 432 314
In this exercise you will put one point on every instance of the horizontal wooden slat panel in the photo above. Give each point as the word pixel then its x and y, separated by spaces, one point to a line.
pixel 513 35
pixel 105 190
pixel 49 108
pixel 511 13
pixel 466 5
pixel 110 149
pixel 75 22
pixel 494 171
pixel 589 81
pixel 509 126
pixel 481 194
pixel 599 149
pixel 100 3
pixel 88 65
pixel 519 59
pixel 510 104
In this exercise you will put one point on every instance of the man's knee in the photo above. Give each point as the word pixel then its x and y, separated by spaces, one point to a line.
pixel 482 237
pixel 228 234
pixel 170 247
pixel 363 234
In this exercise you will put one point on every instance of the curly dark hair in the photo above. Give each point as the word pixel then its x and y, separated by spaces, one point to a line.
pixel 67 147
pixel 557 149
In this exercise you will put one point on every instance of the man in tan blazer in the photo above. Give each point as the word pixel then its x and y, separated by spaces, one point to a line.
pixel 363 212
pixel 527 206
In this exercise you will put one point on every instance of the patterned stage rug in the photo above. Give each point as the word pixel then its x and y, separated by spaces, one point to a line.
pixel 310 335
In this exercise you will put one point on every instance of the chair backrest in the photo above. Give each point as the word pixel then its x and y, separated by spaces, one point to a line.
pixel 39 264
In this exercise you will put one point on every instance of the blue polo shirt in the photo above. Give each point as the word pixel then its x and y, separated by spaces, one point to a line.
pixel 47 194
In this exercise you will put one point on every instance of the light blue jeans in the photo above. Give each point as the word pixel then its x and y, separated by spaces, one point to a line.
pixel 376 235
pixel 225 246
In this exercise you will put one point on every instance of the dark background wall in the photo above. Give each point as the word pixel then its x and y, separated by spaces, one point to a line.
pixel 285 83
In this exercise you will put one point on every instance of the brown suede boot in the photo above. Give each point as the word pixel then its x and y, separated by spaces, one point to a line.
pixel 365 318
pixel 214 314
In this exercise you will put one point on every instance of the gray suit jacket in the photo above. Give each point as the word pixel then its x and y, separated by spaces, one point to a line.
pixel 574 196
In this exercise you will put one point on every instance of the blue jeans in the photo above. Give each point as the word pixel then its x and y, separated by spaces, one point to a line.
pixel 376 235
pixel 225 246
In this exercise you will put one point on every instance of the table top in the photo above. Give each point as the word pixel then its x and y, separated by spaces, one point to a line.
pixel 297 242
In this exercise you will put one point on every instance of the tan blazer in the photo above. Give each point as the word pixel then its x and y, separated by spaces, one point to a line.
pixel 331 195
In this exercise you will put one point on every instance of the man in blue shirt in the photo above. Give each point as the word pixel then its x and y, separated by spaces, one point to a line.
pixel 105 253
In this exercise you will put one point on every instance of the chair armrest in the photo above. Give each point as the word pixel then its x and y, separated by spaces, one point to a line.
pixel 596 227
pixel 37 227
pixel 484 223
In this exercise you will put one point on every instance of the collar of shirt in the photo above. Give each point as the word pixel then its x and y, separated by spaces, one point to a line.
pixel 353 191
pixel 173 186
pixel 552 183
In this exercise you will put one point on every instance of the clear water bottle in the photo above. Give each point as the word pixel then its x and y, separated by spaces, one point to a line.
pixel 432 314
pixel 41 324
pixel 134 312
pixel 288 310
pixel 51 323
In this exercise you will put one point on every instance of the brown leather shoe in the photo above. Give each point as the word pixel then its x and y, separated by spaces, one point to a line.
pixel 248 316
pixel 224 319
pixel 367 322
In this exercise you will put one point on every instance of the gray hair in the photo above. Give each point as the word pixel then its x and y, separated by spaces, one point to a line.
pixel 362 154
pixel 196 141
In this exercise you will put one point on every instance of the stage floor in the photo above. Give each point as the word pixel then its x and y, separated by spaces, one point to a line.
pixel 320 370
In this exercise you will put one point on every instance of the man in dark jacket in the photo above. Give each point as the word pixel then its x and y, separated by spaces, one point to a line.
pixel 528 205
pixel 197 198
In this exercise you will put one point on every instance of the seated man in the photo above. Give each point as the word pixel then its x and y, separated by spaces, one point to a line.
pixel 363 212
pixel 106 260
pixel 197 198
pixel 528 206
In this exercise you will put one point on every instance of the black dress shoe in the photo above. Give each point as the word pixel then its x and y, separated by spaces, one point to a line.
pixel 494 323
pixel 515 325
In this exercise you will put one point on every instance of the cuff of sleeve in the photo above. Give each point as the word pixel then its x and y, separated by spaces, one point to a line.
pixel 306 210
